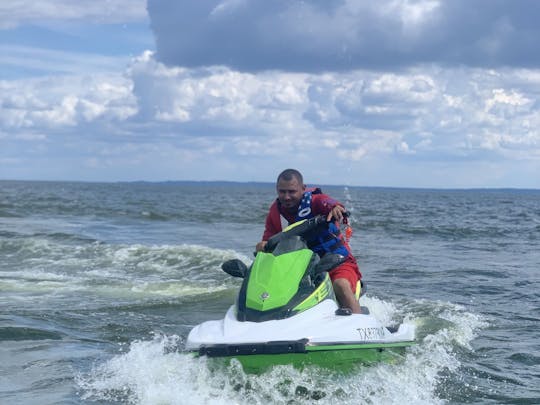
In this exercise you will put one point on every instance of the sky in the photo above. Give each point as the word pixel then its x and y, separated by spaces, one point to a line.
pixel 395 93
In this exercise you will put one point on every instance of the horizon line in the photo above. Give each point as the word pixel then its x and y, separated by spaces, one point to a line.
pixel 269 183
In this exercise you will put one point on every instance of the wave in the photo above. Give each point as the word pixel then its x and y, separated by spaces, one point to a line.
pixel 53 271
pixel 25 333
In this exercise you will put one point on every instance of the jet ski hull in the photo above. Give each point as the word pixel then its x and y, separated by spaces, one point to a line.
pixel 314 337
pixel 335 357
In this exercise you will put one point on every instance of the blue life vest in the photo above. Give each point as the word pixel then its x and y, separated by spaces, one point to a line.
pixel 326 241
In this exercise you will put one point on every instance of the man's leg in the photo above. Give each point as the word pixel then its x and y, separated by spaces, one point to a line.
pixel 345 295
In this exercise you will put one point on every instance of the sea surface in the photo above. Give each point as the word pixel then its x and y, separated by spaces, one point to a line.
pixel 100 285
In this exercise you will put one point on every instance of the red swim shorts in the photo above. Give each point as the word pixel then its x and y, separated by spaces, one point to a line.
pixel 349 271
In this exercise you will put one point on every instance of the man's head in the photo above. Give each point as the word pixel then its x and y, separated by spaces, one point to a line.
pixel 290 189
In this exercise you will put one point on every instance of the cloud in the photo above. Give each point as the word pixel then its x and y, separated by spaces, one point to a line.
pixel 59 103
pixel 16 12
pixel 330 35
pixel 216 97
pixel 42 62
pixel 431 114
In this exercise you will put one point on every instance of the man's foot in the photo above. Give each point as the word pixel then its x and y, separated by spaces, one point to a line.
pixel 343 311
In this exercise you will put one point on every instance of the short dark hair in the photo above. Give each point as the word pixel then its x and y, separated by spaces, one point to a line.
pixel 289 174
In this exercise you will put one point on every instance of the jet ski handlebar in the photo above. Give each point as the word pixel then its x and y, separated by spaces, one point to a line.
pixel 301 229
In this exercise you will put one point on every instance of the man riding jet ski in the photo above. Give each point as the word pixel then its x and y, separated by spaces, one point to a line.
pixel 294 203
pixel 286 311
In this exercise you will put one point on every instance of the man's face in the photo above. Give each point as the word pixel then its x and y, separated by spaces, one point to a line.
pixel 290 193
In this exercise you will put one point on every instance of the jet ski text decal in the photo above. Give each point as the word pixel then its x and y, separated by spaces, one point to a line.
pixel 371 333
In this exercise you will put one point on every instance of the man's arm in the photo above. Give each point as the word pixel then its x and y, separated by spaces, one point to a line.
pixel 326 205
pixel 270 229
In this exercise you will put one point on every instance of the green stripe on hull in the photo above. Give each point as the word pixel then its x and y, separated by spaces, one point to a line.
pixel 343 358
pixel 357 346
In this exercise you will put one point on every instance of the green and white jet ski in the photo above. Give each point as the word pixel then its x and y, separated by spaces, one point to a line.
pixel 286 313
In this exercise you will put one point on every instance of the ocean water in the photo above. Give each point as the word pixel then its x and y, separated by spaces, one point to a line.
pixel 101 283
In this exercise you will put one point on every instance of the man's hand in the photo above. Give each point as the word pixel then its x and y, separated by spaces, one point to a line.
pixel 260 246
pixel 337 213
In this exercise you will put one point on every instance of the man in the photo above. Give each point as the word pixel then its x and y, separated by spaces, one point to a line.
pixel 293 204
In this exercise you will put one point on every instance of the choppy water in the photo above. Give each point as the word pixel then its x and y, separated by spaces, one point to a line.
pixel 101 283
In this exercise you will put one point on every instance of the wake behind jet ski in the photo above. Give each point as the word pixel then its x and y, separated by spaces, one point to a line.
pixel 286 312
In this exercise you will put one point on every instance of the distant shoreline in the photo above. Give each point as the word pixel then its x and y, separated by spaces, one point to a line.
pixel 267 184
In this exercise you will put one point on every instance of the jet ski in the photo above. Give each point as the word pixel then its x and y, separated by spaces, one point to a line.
pixel 286 313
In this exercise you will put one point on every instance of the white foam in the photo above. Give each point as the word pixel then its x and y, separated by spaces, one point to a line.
pixel 382 310
pixel 150 373
pixel 466 324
